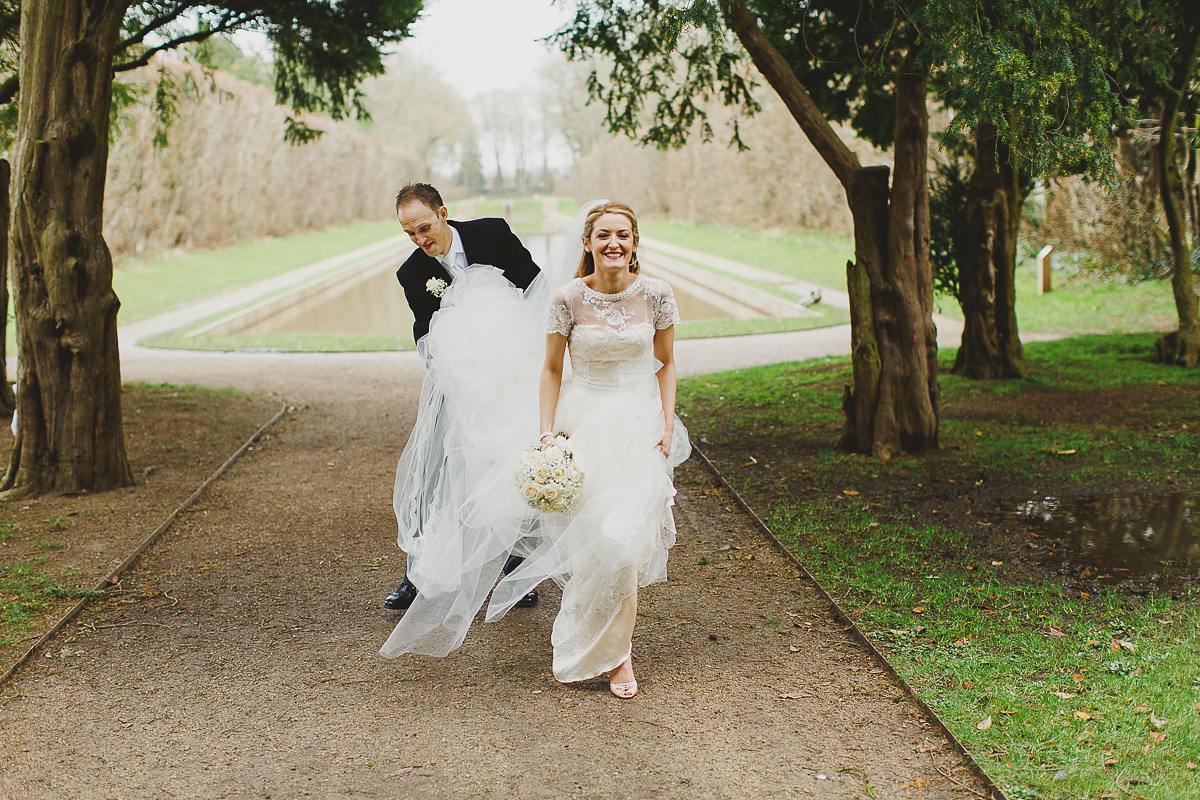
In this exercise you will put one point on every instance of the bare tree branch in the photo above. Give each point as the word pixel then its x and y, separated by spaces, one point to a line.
pixel 152 26
pixel 227 23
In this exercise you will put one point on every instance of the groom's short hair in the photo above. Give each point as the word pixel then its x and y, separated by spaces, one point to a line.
pixel 420 193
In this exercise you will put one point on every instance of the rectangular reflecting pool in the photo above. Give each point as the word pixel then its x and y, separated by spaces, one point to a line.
pixel 373 304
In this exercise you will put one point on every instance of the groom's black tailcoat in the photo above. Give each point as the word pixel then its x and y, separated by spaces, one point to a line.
pixel 485 241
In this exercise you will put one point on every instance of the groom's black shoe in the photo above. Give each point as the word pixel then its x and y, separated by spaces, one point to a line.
pixel 529 600
pixel 404 595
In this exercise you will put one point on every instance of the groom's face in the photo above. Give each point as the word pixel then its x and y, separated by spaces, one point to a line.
pixel 427 228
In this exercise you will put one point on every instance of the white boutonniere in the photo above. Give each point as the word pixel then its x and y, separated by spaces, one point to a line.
pixel 436 286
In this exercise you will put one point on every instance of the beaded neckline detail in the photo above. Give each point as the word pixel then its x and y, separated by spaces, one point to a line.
pixel 610 298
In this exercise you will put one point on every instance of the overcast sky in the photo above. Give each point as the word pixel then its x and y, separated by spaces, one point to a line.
pixel 480 45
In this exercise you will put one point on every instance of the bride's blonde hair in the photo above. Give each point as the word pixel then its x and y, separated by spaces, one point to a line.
pixel 587 265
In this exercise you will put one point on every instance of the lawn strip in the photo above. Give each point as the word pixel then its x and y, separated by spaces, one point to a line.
pixel 1060 692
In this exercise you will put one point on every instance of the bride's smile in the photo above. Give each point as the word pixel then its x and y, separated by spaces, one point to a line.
pixel 613 244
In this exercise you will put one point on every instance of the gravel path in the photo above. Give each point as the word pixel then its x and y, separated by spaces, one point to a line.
pixel 239 657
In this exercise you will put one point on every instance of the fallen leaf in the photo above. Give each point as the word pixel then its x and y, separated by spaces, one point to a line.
pixel 1158 737
pixel 751 462
pixel 997 563
pixel 1066 452
pixel 963 642
pixel 968 684
pixel 1056 632
pixel 1077 678
pixel 796 696
pixel 896 632
pixel 1142 709
pixel 1007 713
pixel 920 783
pixel 1091 643
pixel 850 492
pixel 1082 715
pixel 1130 646
pixel 1191 765
pixel 1063 695
pixel 1108 762
pixel 1156 722
pixel 984 723
pixel 919 610
pixel 794 649
pixel 1114 646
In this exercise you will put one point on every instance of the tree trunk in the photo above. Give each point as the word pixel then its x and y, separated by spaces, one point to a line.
pixel 990 346
pixel 8 401
pixel 892 405
pixel 906 409
pixel 1180 347
pixel 69 434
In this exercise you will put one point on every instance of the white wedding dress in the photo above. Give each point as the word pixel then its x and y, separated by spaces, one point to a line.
pixel 479 411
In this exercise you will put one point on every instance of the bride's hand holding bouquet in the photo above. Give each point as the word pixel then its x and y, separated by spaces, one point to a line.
pixel 547 477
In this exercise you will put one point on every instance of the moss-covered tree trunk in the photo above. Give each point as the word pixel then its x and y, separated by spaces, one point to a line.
pixel 8 401
pixel 991 347
pixel 69 434
pixel 1182 346
pixel 892 405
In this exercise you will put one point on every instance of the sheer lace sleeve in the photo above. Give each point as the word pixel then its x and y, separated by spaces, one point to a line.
pixel 666 310
pixel 559 318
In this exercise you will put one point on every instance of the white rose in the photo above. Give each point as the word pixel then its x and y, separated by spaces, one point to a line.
pixel 541 474
pixel 561 504
pixel 559 472
pixel 554 455
pixel 550 492
pixel 530 494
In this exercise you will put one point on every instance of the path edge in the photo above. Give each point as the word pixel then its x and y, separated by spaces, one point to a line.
pixel 852 628
pixel 113 577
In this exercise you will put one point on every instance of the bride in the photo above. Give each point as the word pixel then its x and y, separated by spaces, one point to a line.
pixel 617 407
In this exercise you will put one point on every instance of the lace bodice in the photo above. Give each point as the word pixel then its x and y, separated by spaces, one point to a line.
pixel 611 336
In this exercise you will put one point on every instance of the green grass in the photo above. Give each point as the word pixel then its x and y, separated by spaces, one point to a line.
pixel 152 285
pixel 1077 303
pixel 526 218
pixel 1083 305
pixel 25 591
pixel 704 329
pixel 281 342
pixel 1059 693
pixel 816 257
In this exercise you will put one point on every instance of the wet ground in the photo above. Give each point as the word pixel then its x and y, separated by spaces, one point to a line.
pixel 1137 542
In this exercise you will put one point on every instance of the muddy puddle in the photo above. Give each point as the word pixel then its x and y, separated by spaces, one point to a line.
pixel 1136 542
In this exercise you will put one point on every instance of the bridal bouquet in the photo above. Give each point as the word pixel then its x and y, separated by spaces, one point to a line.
pixel 547 476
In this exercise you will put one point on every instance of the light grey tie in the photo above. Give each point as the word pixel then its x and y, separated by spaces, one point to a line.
pixel 454 263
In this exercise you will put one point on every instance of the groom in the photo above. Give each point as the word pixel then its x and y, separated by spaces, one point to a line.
pixel 446 247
